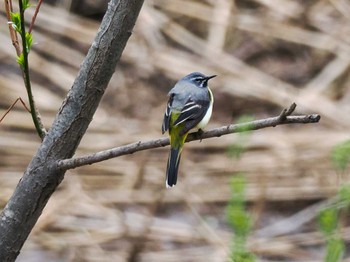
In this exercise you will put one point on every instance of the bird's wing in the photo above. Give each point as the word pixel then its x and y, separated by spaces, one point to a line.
pixel 191 114
pixel 166 120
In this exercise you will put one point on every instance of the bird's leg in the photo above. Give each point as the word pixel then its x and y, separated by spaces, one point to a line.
pixel 199 134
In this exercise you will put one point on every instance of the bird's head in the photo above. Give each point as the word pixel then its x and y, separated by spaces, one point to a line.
pixel 198 79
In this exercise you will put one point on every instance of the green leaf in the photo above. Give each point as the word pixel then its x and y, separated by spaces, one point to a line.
pixel 26 4
pixel 239 220
pixel 344 194
pixel 242 256
pixel 328 221
pixel 237 149
pixel 341 155
pixel 29 41
pixel 335 250
pixel 16 21
pixel 20 60
pixel 243 120
pixel 238 184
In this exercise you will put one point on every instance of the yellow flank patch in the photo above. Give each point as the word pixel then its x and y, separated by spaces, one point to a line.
pixel 176 140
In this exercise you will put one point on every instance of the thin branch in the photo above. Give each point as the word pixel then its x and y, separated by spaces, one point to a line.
pixel 216 132
pixel 33 109
pixel 287 111
pixel 11 106
pixel 34 16
pixel 25 69
pixel 291 109
pixel 13 33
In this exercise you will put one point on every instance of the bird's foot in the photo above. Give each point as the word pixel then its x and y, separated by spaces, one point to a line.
pixel 199 134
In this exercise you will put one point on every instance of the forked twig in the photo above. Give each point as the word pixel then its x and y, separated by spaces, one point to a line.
pixel 13 104
pixel 287 112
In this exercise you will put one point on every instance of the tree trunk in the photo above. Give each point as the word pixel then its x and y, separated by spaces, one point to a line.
pixel 42 175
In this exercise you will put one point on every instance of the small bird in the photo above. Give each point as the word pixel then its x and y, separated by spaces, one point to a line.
pixel 190 106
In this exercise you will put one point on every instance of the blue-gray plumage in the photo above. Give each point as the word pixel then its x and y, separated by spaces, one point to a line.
pixel 192 86
pixel 190 106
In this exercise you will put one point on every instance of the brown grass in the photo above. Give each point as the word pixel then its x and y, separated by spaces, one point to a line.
pixel 267 55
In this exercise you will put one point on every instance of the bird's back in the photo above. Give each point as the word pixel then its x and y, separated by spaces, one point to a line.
pixel 183 90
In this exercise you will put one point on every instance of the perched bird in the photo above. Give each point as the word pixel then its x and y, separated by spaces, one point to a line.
pixel 190 106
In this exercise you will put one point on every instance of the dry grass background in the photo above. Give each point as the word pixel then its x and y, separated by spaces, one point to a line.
pixel 267 54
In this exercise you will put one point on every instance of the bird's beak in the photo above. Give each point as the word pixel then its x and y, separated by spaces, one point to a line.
pixel 210 77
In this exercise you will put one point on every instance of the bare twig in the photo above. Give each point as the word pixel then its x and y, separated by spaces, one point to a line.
pixel 291 109
pixel 34 16
pixel 13 34
pixel 287 112
pixel 11 106
pixel 216 132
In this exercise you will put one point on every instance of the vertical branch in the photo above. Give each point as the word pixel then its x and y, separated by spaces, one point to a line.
pixel 26 77
pixel 13 34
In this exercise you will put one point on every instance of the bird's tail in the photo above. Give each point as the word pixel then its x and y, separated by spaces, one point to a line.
pixel 173 166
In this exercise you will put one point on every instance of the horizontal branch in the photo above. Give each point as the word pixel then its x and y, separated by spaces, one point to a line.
pixel 282 119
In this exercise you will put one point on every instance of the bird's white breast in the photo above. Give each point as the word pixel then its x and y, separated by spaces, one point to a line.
pixel 207 115
pixel 206 118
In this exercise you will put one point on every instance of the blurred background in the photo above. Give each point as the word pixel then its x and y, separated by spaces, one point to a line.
pixel 267 54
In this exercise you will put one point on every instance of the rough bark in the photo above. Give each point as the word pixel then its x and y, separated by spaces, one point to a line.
pixel 42 176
